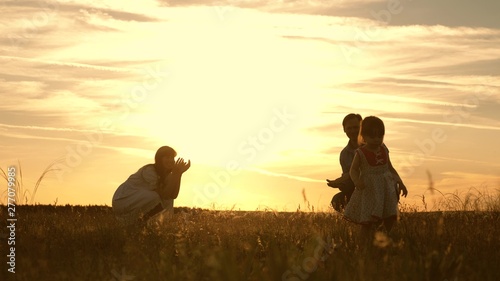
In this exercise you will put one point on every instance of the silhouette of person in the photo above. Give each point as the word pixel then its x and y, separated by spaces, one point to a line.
pixel 152 189
pixel 378 184
pixel 344 183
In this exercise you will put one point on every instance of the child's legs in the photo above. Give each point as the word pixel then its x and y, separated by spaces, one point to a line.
pixel 366 233
pixel 389 223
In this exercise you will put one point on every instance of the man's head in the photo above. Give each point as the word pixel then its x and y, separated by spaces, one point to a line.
pixel 351 125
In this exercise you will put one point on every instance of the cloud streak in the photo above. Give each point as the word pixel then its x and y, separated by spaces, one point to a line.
pixel 453 13
pixel 274 174
pixel 463 125
pixel 69 64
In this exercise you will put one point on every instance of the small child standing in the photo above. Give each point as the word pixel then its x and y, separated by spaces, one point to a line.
pixel 378 185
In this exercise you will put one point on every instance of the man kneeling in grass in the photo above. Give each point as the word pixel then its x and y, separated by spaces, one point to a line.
pixel 344 183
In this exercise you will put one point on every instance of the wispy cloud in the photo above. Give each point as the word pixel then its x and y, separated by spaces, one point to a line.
pixel 269 173
pixel 71 8
pixel 447 12
pixel 69 64
pixel 57 129
pixel 472 126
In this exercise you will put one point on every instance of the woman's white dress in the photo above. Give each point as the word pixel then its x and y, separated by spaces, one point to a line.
pixel 136 196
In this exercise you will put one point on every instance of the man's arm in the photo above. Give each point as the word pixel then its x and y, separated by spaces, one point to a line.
pixel 345 160
pixel 340 180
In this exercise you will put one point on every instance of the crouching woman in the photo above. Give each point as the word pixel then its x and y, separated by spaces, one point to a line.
pixel 152 189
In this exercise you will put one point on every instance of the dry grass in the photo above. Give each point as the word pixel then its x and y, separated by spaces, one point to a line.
pixel 86 243
pixel 475 199
pixel 22 192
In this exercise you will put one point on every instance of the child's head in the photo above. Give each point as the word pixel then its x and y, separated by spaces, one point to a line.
pixel 371 127
pixel 164 158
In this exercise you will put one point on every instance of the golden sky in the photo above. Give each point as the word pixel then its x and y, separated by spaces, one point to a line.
pixel 253 92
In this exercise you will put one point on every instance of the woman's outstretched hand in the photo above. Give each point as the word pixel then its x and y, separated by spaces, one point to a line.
pixel 181 166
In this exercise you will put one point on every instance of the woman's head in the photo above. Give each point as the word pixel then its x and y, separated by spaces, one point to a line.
pixel 164 158
pixel 373 129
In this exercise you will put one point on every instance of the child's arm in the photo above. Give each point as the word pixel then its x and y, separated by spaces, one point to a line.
pixel 355 172
pixel 398 179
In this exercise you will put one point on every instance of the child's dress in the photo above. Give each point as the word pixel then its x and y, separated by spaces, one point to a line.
pixel 379 199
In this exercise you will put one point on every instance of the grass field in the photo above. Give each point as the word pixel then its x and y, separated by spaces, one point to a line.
pixel 87 243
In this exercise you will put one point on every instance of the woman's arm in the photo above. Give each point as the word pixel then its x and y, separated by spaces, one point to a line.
pixel 355 172
pixel 172 182
pixel 172 186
